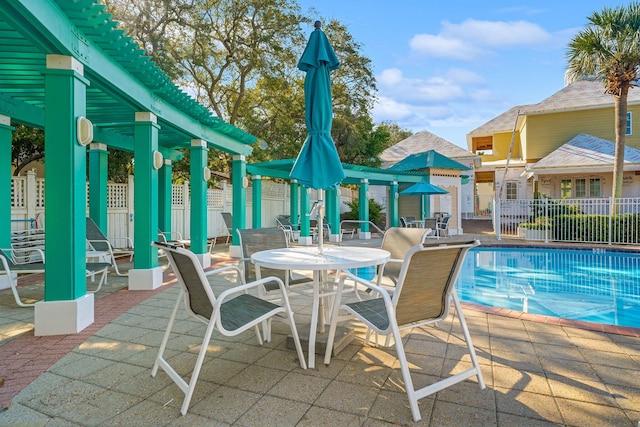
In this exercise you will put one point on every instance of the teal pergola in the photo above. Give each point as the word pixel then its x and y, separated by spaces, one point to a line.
pixel 67 69
pixel 362 176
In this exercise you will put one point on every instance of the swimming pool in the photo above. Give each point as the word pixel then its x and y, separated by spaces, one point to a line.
pixel 597 285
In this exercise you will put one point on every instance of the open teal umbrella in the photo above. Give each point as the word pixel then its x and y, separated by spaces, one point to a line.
pixel 423 188
pixel 318 165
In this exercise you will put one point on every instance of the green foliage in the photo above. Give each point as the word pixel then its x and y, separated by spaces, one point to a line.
pixel 608 49
pixel 375 211
pixel 27 145
pixel 593 228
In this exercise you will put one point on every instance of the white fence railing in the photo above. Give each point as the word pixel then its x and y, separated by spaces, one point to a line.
pixel 27 206
pixel 570 220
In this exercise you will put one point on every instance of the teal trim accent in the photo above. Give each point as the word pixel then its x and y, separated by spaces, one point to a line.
pixel 305 220
pixel 98 197
pixel 165 196
pixel 5 185
pixel 333 209
pixel 256 213
pixel 65 192
pixel 294 203
pixel 239 210
pixel 363 214
pixel 393 205
pixel 198 161
pixel 145 203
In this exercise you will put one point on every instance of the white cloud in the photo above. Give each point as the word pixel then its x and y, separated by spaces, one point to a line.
pixel 474 39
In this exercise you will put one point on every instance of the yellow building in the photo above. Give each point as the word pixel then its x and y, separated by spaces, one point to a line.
pixel 562 147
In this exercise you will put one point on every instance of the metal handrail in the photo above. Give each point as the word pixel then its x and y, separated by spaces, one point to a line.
pixel 358 221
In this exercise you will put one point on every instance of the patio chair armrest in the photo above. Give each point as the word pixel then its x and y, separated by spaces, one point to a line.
pixel 106 242
pixel 364 282
pixel 246 286
pixel 128 240
pixel 17 251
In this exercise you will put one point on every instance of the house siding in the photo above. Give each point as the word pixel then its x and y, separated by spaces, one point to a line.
pixel 546 132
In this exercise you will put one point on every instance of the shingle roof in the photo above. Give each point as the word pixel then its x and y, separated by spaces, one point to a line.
pixel 418 143
pixel 583 94
pixel 585 150
pixel 502 123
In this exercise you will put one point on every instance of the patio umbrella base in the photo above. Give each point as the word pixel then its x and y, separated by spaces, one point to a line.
pixel 344 336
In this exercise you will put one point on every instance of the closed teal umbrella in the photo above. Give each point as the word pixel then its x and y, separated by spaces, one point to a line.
pixel 318 165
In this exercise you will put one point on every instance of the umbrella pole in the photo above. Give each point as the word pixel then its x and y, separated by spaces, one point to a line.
pixel 320 221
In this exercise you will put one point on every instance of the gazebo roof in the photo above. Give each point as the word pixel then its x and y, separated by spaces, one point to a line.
pixel 426 160
pixel 354 173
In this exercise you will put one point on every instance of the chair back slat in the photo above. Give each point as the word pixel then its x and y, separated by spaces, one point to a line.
pixel 429 278
pixel 98 240
pixel 398 241
pixel 254 240
pixel 198 300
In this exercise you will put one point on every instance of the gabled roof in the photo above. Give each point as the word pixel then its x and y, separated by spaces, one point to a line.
pixel 502 123
pixel 418 143
pixel 585 151
pixel 425 160
pixel 580 95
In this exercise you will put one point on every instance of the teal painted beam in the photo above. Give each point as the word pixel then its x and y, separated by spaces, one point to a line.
pixel 198 162
pixel 165 195
pixel 363 205
pixel 393 205
pixel 239 209
pixel 294 202
pixel 6 130
pixel 145 190
pixel 98 188
pixel 256 192
pixel 305 220
pixel 21 112
pixel 333 209
pixel 65 192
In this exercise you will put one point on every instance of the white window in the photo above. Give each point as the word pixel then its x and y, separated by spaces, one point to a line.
pixel 512 190
pixel 565 188
pixel 581 187
pixel 594 187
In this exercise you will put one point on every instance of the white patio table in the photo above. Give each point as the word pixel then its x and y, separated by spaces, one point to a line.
pixel 309 258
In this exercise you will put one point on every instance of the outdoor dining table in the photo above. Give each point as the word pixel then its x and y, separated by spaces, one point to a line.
pixel 310 259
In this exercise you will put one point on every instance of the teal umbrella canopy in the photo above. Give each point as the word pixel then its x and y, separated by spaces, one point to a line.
pixel 423 187
pixel 318 165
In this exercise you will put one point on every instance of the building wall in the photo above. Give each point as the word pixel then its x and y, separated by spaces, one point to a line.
pixel 547 132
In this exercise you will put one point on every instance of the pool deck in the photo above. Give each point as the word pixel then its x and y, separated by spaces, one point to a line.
pixel 538 371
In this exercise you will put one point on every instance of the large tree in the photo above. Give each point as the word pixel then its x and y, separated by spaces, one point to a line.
pixel 608 49
pixel 239 57
pixel 27 146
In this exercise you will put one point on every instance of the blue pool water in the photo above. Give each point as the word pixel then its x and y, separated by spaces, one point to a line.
pixel 597 285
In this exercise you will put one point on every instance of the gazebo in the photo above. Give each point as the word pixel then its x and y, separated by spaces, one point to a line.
pixel 67 69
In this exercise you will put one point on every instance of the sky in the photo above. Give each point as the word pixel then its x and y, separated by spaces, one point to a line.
pixel 449 68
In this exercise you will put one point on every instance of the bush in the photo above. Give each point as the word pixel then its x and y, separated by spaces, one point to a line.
pixel 375 211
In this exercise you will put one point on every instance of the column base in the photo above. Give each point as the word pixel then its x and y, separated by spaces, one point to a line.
pixel 364 235
pixel 63 317
pixel 4 280
pixel 305 240
pixel 334 238
pixel 235 251
pixel 145 279
pixel 205 260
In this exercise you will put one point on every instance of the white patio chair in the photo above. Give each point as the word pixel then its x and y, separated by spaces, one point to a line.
pixel 423 295
pixel 232 312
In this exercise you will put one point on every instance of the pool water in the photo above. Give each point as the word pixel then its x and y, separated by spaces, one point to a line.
pixel 597 285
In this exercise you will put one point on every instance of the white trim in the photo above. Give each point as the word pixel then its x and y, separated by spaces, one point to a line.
pixel 63 317
pixel 145 279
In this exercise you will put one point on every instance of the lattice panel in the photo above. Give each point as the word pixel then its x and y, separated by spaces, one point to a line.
pixel 177 195
pixel 117 196
pixel 18 190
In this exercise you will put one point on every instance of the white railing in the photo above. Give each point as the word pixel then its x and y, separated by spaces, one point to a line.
pixel 27 206
pixel 570 220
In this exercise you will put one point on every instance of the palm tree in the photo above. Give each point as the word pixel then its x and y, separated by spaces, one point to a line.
pixel 608 49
